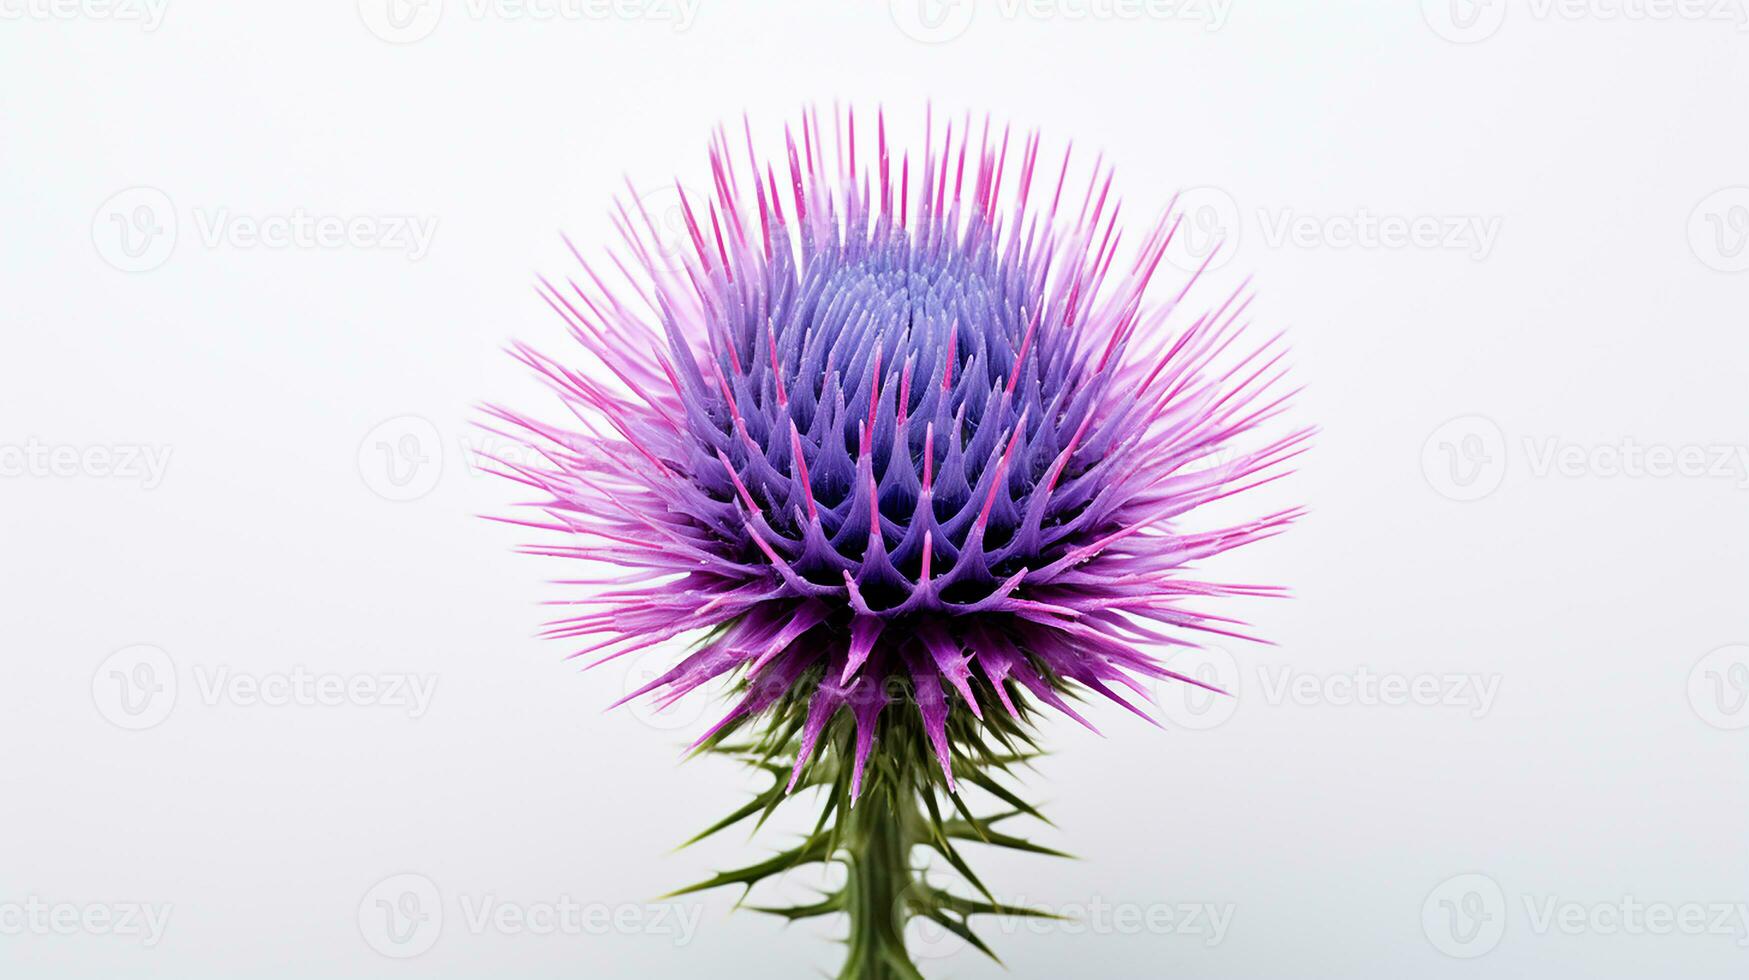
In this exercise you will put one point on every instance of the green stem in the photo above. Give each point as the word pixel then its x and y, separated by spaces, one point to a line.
pixel 878 835
pixel 904 805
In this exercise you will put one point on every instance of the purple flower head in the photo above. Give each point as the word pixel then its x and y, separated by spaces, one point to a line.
pixel 898 422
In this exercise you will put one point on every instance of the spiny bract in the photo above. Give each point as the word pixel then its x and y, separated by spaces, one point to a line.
pixel 873 424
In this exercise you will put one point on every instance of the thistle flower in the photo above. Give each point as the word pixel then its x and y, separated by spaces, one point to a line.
pixel 910 447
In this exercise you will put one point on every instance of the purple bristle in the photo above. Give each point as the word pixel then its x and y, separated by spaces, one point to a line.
pixel 924 429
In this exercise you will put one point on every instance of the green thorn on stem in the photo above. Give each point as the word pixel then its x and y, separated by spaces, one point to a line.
pixel 877 839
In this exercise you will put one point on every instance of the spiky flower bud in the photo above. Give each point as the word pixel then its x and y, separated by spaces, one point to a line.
pixel 898 436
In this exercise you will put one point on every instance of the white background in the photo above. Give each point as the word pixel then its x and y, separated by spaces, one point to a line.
pixel 1603 317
